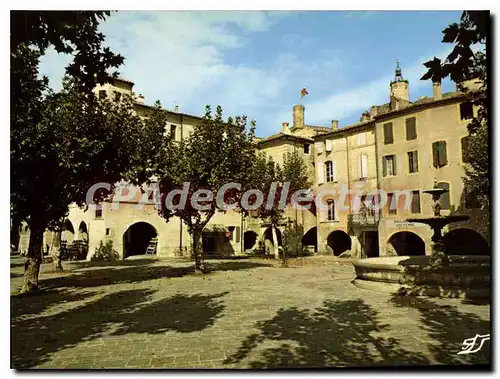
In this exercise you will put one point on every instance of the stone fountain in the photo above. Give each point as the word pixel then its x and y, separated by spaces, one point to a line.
pixel 437 223
pixel 437 275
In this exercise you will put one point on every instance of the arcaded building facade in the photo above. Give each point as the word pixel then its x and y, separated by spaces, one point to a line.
pixel 399 147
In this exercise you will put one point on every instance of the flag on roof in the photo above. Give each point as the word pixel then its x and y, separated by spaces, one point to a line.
pixel 303 92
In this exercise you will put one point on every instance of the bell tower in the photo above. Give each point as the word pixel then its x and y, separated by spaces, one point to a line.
pixel 400 88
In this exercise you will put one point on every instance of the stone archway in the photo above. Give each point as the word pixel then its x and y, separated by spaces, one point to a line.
pixel 464 241
pixel 268 235
pixel 83 233
pixel 68 232
pixel 249 239
pixel 339 241
pixel 311 238
pixel 137 237
pixel 407 243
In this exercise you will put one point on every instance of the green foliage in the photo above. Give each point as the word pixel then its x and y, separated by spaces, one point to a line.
pixel 216 153
pixel 292 241
pixel 105 252
pixel 463 63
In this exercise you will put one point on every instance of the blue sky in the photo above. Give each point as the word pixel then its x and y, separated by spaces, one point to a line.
pixel 256 63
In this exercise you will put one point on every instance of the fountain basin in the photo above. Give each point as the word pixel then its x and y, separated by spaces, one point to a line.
pixel 465 276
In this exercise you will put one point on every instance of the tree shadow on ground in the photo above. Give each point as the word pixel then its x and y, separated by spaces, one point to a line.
pixel 134 274
pixel 120 263
pixel 180 313
pixel 23 305
pixel 340 333
pixel 234 265
pixel 448 328
pixel 35 340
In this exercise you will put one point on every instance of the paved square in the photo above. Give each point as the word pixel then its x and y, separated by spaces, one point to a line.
pixel 147 313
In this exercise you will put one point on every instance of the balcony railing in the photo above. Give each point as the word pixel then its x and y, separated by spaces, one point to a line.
pixel 364 219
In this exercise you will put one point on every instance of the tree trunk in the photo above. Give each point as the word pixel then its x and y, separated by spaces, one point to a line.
pixel 55 251
pixel 275 242
pixel 199 265
pixel 33 260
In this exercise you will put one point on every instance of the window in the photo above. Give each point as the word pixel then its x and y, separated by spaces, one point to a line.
pixel 330 171
pixel 466 111
pixel 439 153
pixel 415 202
pixel 388 136
pixel 362 138
pixel 331 210
pixel 445 197
pixel 102 94
pixel 465 149
pixel 411 128
pixel 389 165
pixel 117 95
pixel 363 166
pixel 108 231
pixel 306 148
pixel 391 205
pixel 173 129
pixel 412 161
pixel 98 211
pixel 328 145
pixel 319 147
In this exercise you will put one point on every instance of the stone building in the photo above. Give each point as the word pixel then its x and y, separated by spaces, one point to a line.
pixel 401 147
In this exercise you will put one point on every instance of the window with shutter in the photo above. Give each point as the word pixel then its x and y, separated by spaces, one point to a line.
pixel 445 197
pixel 363 169
pixel 411 128
pixel 465 149
pixel 362 138
pixel 329 171
pixel 319 147
pixel 331 210
pixel 412 161
pixel 389 165
pixel 435 154
pixel 443 159
pixel 328 144
pixel 388 136
pixel 415 202
pixel 466 111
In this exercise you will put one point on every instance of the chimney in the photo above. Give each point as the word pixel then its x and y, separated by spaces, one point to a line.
pixel 373 111
pixel 176 108
pixel 140 99
pixel 437 92
pixel 335 124
pixel 298 116
pixel 285 129
pixel 365 116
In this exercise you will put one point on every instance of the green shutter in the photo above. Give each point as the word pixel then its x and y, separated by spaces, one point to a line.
pixel 411 128
pixel 394 166
pixel 443 159
pixel 415 161
pixel 384 166
pixel 465 149
pixel 388 137
pixel 435 154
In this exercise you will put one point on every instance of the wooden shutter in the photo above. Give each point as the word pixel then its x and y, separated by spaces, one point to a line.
pixel 415 202
pixel 319 147
pixel 328 144
pixel 384 166
pixel 388 137
pixel 411 128
pixel 443 158
pixel 465 149
pixel 364 166
pixel 445 197
pixel 320 172
pixel 435 154
pixel 394 166
pixel 237 234
pixel 334 171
